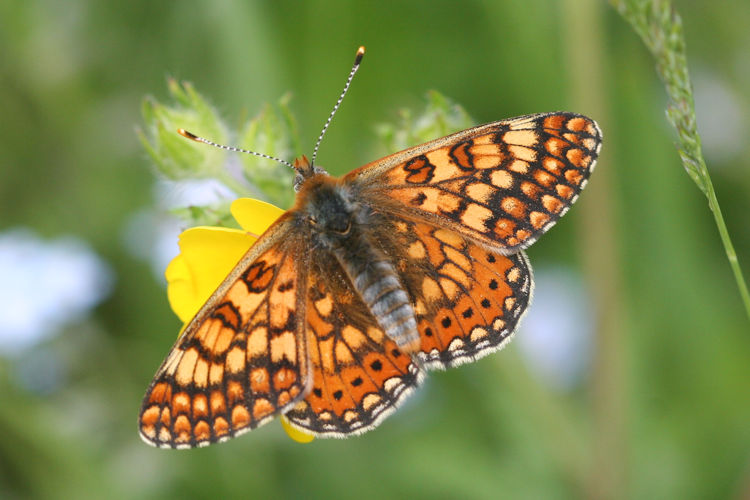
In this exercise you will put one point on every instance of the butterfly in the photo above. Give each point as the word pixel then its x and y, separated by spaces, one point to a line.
pixel 410 263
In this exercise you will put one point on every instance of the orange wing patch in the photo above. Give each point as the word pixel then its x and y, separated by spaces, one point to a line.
pixel 503 184
pixel 238 363
pixel 359 376
pixel 468 300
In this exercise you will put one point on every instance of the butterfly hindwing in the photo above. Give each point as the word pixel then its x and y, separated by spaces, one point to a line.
pixel 502 184
pixel 242 359
pixel 468 300
pixel 359 376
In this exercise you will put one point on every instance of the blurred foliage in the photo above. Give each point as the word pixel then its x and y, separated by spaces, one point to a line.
pixel 440 117
pixel 167 149
pixel 674 391
pixel 272 131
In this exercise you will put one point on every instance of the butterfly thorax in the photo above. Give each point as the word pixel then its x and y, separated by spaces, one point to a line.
pixel 339 225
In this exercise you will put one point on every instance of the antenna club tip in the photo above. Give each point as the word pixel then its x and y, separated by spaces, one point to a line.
pixel 360 54
pixel 185 133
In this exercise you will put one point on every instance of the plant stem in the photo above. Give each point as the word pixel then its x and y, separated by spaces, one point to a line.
pixel 713 203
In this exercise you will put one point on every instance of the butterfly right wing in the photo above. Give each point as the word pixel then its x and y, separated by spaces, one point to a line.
pixel 243 358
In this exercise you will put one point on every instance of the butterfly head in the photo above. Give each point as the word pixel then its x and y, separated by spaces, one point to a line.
pixel 329 209
pixel 305 170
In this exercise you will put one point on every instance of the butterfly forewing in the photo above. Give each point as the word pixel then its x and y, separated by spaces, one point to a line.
pixel 502 184
pixel 242 359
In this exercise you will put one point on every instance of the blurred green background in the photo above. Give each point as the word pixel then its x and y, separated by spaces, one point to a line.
pixel 635 382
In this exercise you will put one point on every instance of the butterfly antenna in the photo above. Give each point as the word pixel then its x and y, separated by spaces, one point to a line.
pixel 193 137
pixel 357 60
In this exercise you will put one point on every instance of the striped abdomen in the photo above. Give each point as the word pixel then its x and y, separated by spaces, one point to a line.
pixel 377 283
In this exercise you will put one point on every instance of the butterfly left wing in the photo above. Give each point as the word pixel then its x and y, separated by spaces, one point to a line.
pixel 502 184
pixel 242 359
pixel 359 376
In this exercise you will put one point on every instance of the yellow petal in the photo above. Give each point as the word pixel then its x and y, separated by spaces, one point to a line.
pixel 207 255
pixel 254 216
pixel 294 433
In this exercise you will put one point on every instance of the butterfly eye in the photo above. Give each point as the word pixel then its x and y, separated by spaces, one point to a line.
pixel 345 230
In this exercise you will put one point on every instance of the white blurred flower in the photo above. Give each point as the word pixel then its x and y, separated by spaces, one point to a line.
pixel 184 193
pixel 45 285
pixel 152 237
pixel 556 334
pixel 721 116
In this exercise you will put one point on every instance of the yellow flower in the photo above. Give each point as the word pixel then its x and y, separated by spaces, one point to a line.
pixel 208 254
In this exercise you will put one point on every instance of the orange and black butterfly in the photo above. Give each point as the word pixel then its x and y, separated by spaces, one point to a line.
pixel 409 263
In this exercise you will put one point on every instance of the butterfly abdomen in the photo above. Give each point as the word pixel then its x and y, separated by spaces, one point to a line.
pixel 376 281
pixel 381 290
